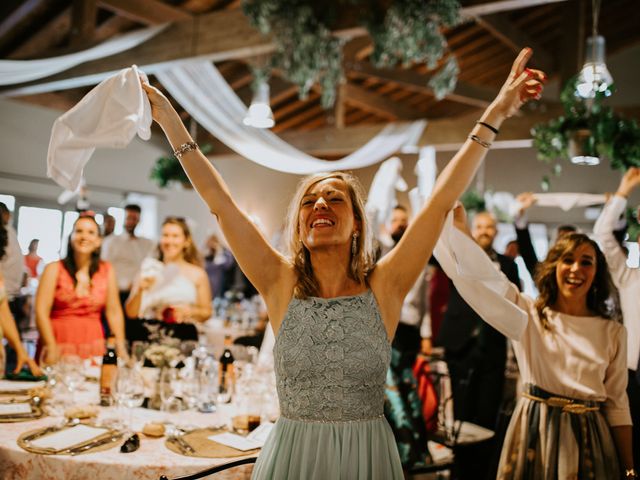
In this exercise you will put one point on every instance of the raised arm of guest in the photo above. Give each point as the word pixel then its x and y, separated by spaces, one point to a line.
pixel 525 245
pixel 606 224
pixel 395 273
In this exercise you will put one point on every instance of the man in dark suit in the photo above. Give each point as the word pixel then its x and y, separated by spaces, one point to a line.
pixel 476 355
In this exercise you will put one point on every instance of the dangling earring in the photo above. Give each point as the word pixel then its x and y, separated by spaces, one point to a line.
pixel 354 244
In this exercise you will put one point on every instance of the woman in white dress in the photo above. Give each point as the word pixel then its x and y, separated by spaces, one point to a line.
pixel 572 420
pixel 173 294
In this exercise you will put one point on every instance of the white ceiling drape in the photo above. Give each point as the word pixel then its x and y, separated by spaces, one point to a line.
pixel 205 94
pixel 19 71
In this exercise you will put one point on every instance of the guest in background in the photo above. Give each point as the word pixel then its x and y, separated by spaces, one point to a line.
pixel 403 408
pixel 476 356
pixel 126 252
pixel 628 282
pixel 174 297
pixel 8 327
pixel 32 260
pixel 13 268
pixel 108 226
pixel 74 291
pixel 573 418
pixel 220 266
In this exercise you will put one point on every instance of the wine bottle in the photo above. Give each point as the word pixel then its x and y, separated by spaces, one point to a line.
pixel 107 371
pixel 227 373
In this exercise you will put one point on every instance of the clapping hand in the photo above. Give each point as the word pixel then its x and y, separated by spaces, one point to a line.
pixel 525 200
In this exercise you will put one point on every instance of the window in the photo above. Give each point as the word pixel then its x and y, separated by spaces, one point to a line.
pixel 44 224
pixel 9 201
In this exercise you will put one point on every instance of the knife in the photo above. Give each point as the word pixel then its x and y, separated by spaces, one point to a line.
pixel 183 445
pixel 94 444
pixel 42 433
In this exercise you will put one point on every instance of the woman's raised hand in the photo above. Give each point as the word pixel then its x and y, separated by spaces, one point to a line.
pixel 161 107
pixel 522 85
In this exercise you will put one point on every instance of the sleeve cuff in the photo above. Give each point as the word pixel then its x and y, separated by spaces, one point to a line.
pixel 617 417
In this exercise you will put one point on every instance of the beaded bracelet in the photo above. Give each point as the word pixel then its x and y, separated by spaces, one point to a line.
pixel 184 148
pixel 490 127
pixel 479 141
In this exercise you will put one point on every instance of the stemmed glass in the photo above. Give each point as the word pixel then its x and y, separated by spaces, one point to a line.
pixel 49 358
pixel 138 348
pixel 70 368
pixel 128 390
pixel 169 388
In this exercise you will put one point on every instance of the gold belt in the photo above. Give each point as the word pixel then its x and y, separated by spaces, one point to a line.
pixel 567 405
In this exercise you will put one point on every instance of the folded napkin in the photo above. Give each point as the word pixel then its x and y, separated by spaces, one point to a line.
pixel 478 281
pixel 254 440
pixel 109 116
pixel 13 386
pixel 69 437
pixel 14 408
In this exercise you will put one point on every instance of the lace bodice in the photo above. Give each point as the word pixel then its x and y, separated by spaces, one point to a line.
pixel 331 359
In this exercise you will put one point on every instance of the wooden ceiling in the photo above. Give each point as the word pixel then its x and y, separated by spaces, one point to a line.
pixel 485 45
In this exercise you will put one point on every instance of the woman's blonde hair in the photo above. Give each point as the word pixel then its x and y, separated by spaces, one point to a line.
pixel 190 252
pixel 361 261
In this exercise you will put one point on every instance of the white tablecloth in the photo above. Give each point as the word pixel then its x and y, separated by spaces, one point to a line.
pixel 148 463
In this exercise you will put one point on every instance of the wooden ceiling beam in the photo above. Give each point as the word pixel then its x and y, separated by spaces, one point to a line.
pixel 83 23
pixel 48 37
pixel 147 12
pixel 112 26
pixel 217 36
pixel 490 8
pixel 20 18
pixel 464 93
pixel 516 39
pixel 372 102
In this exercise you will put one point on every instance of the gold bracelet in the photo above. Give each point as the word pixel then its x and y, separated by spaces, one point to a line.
pixel 184 148
pixel 479 141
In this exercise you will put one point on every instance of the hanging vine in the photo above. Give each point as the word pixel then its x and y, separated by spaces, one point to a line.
pixel 406 32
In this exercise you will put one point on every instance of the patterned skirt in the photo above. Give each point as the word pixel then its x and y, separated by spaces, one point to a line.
pixel 552 437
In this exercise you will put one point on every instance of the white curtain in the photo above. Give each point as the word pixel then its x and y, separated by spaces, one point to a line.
pixel 205 94
pixel 19 71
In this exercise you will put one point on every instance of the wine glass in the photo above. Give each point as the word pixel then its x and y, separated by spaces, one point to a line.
pixel 49 358
pixel 169 388
pixel 70 368
pixel 128 390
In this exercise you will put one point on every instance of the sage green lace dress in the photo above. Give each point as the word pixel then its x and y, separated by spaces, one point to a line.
pixel 331 360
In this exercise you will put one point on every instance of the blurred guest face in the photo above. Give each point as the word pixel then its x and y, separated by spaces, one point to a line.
pixel 131 220
pixel 483 230
pixel 173 242
pixel 575 272
pixel 399 224
pixel 109 225
pixel 85 237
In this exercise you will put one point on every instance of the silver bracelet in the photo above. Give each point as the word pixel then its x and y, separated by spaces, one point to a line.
pixel 479 141
pixel 184 148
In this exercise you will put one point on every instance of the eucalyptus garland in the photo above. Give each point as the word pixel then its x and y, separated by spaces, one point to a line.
pixel 406 32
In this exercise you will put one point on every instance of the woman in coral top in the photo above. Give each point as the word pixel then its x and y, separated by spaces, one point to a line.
pixel 74 291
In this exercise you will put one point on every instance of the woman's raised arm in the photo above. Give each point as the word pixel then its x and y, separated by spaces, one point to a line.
pixel 398 270
pixel 263 265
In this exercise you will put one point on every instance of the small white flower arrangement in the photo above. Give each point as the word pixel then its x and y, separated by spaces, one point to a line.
pixel 162 356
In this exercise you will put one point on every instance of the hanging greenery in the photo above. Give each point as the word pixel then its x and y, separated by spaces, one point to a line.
pixel 168 169
pixel 473 201
pixel 596 128
pixel 406 32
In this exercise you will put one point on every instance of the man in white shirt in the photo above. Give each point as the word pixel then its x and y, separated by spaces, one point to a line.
pixel 628 282
pixel 125 252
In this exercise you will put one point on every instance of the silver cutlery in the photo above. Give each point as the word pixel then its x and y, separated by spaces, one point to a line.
pixel 182 444
pixel 96 443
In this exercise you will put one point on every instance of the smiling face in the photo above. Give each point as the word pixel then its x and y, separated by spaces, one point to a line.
pixel 173 242
pixel 326 215
pixel 575 272
pixel 484 230
pixel 85 237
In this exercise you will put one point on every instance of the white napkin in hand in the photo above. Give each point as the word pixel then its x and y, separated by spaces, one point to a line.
pixel 109 116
